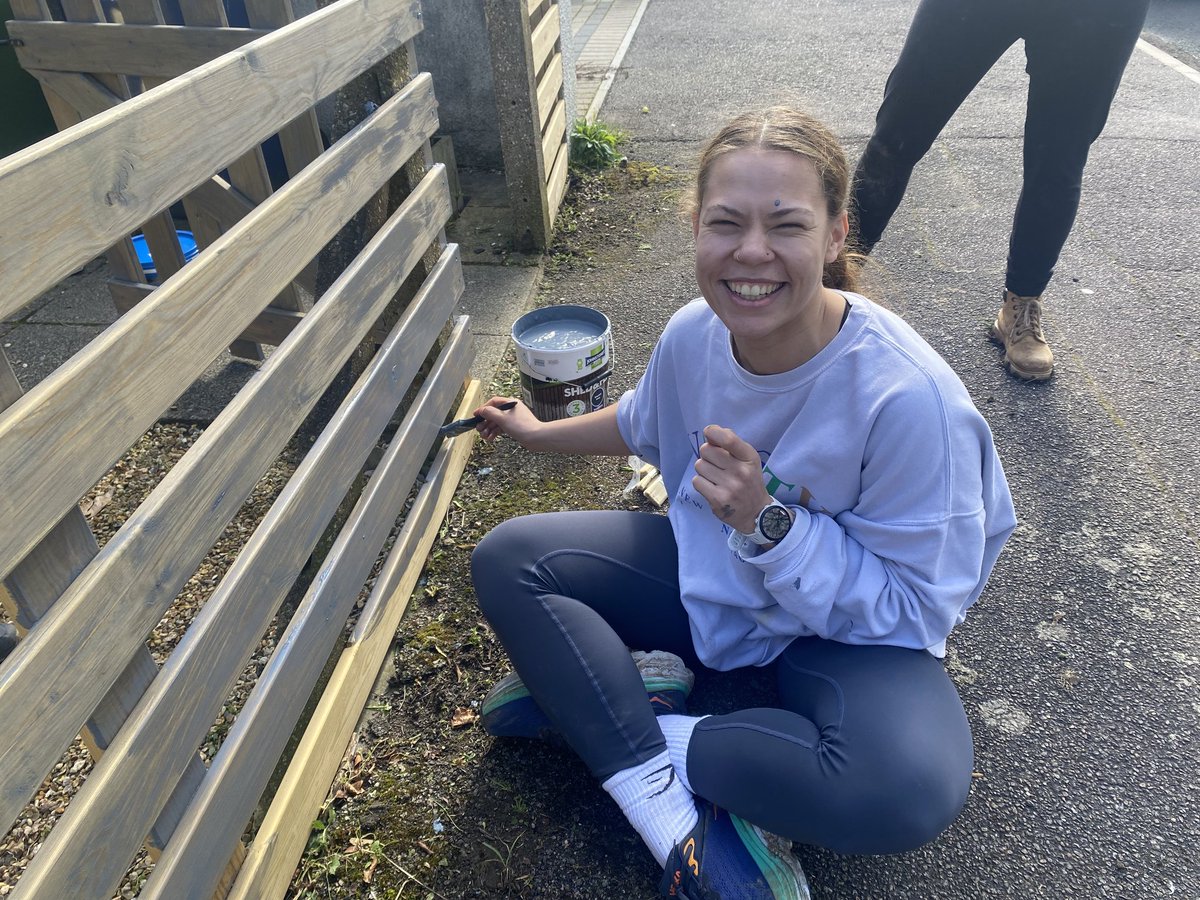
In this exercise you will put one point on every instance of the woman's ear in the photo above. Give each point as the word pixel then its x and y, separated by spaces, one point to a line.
pixel 838 233
pixel 695 223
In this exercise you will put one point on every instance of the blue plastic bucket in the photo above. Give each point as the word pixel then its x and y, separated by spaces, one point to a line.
pixel 186 242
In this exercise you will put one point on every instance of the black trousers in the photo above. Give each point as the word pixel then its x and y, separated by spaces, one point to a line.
pixel 1076 52
pixel 869 752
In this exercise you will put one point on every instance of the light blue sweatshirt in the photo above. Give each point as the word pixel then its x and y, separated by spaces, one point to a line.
pixel 902 505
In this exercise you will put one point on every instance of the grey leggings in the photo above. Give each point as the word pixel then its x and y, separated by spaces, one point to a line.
pixel 870 751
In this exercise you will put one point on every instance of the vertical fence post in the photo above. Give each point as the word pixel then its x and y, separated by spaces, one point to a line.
pixel 516 86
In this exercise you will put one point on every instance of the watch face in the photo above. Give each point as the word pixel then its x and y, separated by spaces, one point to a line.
pixel 775 522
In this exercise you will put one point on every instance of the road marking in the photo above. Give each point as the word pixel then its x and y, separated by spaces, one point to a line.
pixel 1168 60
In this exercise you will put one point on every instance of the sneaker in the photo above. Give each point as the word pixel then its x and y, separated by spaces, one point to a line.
pixel 1018 329
pixel 726 858
pixel 509 711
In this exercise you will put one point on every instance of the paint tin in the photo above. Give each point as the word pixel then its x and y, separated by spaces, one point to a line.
pixel 565 357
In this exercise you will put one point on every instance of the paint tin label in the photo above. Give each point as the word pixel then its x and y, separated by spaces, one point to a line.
pixel 564 354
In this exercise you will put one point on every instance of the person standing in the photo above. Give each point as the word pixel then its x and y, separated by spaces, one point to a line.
pixel 1076 52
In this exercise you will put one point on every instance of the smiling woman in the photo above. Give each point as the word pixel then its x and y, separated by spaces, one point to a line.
pixel 836 506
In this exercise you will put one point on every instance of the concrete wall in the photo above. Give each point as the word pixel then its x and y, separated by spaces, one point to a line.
pixel 454 49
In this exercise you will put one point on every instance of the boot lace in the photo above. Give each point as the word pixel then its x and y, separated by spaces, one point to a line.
pixel 1027 319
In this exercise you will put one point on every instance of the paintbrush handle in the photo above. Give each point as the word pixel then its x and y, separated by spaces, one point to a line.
pixel 461 426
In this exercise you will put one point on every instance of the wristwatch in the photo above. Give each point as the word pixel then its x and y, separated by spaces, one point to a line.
pixel 771 527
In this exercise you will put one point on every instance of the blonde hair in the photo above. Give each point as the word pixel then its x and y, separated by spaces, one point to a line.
pixel 791 130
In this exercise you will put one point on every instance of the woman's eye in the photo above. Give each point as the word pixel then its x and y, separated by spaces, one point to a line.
pixel 789 226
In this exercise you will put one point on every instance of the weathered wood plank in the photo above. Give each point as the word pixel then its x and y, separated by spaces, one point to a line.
pixel 34 586
pixel 556 184
pixel 555 133
pixel 85 94
pixel 212 208
pixel 55 442
pixel 82 190
pixel 271 326
pixel 44 435
pixel 247 173
pixel 301 138
pixel 549 90
pixel 204 230
pixel 544 37
pixel 273 855
pixel 240 770
pixel 149 51
pixel 88 851
pixel 121 256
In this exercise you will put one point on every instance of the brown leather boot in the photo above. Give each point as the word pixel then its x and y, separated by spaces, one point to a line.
pixel 1018 329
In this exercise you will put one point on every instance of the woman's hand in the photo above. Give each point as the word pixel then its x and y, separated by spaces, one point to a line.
pixel 518 423
pixel 729 477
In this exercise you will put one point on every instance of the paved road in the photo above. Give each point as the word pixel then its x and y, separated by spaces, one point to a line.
pixel 1175 26
pixel 1079 667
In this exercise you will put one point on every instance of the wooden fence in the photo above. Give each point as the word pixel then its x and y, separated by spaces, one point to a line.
pixel 162 102
pixel 527 66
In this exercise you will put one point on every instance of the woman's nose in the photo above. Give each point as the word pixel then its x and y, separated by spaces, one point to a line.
pixel 755 247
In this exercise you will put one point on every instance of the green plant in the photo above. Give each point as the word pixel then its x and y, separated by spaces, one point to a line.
pixel 502 856
pixel 594 146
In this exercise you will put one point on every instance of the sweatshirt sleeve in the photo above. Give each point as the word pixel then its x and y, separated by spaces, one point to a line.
pixel 902 565
pixel 638 411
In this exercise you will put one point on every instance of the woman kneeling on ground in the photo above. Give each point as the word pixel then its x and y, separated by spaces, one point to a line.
pixel 837 504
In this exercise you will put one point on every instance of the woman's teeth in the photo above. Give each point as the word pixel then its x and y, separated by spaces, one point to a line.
pixel 752 291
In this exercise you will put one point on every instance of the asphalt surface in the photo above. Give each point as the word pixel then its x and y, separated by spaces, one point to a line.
pixel 1174 25
pixel 1079 665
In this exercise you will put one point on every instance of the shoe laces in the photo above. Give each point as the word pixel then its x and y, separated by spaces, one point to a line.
pixel 1027 318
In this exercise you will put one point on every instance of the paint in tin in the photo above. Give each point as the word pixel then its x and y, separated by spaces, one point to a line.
pixel 564 354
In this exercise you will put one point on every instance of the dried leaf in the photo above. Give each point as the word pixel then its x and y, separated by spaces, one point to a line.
pixel 463 716
pixel 93 505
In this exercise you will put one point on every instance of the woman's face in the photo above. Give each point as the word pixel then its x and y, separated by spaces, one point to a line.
pixel 763 238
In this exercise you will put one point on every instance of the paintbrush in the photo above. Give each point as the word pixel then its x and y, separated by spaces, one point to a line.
pixel 462 426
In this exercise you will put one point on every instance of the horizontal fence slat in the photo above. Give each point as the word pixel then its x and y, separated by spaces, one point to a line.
pixel 89 849
pixel 549 90
pixel 32 589
pixel 149 51
pixel 68 198
pixel 56 442
pixel 60 671
pixel 242 767
pixel 545 33
pixel 271 861
pixel 272 326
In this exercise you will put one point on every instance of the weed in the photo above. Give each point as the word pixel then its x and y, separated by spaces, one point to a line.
pixel 594 146
pixel 502 856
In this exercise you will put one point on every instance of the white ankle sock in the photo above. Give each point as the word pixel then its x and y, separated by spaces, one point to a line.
pixel 655 802
pixel 678 732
